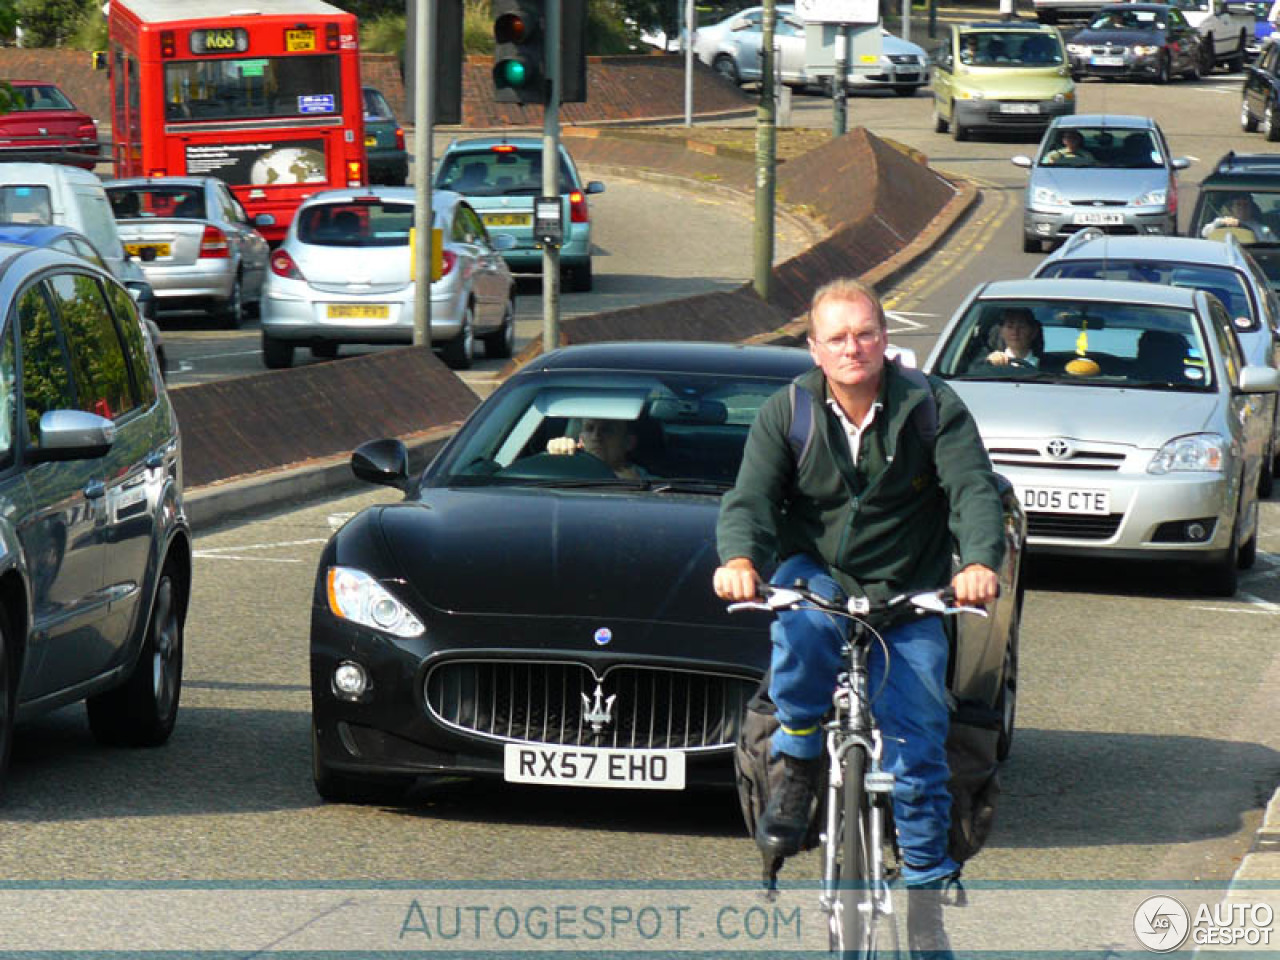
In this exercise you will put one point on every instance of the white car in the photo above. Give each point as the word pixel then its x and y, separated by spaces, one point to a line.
pixel 732 48
pixel 1225 31
pixel 342 276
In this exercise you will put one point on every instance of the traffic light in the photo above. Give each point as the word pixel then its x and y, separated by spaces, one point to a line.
pixel 445 86
pixel 519 52
pixel 573 51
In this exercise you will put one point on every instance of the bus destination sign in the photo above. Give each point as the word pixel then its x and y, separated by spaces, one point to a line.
pixel 219 40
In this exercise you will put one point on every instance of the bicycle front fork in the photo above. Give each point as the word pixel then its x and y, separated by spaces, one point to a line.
pixel 878 785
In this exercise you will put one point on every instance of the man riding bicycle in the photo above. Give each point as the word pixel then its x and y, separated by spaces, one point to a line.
pixel 870 509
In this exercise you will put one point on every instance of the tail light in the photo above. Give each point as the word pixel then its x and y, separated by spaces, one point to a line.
pixel 450 260
pixel 87 131
pixel 355 173
pixel 161 172
pixel 578 212
pixel 331 36
pixel 168 46
pixel 282 265
pixel 213 245
pixel 399 138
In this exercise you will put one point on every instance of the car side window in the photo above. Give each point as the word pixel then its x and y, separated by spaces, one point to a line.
pixel 99 369
pixel 46 378
pixel 1228 343
pixel 8 396
pixel 82 248
pixel 231 211
pixel 135 346
pixel 472 225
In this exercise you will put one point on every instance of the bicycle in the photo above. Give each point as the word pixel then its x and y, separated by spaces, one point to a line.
pixel 855 892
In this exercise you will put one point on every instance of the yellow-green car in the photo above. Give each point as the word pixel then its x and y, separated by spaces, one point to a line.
pixel 1011 75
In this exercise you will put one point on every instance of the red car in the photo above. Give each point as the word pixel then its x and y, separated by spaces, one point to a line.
pixel 45 125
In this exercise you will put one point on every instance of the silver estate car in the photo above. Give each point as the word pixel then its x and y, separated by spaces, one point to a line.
pixel 1094 170
pixel 1224 269
pixel 196 243
pixel 1134 428
pixel 342 276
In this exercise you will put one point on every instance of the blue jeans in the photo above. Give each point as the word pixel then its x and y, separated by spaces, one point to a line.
pixel 911 710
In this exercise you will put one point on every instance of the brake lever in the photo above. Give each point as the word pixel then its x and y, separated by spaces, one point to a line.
pixel 749 605
pixel 931 602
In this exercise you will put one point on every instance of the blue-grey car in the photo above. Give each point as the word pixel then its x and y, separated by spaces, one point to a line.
pixel 1121 178
pixel 501 177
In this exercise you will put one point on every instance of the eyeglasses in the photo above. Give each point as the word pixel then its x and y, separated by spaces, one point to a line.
pixel 865 339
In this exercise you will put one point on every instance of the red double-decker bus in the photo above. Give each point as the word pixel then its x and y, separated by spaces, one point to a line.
pixel 263 94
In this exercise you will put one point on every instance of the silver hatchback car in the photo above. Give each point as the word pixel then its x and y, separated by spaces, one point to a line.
pixel 342 275
pixel 1094 170
pixel 1129 421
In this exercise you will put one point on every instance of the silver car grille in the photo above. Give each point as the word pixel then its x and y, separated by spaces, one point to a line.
pixel 1083 458
pixel 543 702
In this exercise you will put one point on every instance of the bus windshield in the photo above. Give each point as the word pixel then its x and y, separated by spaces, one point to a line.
pixel 250 88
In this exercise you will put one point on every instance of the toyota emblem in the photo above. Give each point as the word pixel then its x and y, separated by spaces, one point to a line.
pixel 1059 449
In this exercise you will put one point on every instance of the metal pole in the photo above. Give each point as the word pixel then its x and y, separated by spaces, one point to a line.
pixel 424 102
pixel 766 150
pixel 906 20
pixel 933 18
pixel 688 62
pixel 551 181
pixel 839 95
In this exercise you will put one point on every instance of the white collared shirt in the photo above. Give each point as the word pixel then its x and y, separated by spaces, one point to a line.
pixel 853 432
pixel 1030 359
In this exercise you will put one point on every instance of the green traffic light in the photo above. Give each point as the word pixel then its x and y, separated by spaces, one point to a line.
pixel 514 73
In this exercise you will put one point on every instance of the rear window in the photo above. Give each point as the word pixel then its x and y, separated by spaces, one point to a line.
pixel 25 204
pixel 351 224
pixel 497 173
pixel 41 97
pixel 184 203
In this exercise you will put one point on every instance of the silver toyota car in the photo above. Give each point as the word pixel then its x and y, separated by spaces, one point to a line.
pixel 1094 170
pixel 1129 421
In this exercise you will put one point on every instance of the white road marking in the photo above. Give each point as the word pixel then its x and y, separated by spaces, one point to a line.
pixel 900 323
pixel 234 553
pixel 336 520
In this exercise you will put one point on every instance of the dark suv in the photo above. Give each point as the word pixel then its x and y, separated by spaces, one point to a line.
pixel 1242 198
pixel 95 569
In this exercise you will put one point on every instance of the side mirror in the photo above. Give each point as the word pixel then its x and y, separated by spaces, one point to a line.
pixel 383 462
pixel 73 435
pixel 1021 160
pixel 264 220
pixel 502 241
pixel 1180 163
pixel 1252 380
pixel 595 186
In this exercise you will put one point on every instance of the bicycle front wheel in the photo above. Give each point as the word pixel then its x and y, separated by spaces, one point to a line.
pixel 854 919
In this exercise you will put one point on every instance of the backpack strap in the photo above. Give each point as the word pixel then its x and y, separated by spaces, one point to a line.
pixel 925 416
pixel 800 433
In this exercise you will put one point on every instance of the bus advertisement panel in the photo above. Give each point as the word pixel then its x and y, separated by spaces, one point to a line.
pixel 265 96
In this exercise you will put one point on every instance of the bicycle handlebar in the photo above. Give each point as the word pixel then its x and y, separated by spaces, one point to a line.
pixel 773 599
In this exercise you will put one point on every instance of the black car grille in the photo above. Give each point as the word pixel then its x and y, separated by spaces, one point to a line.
pixel 543 702
pixel 1067 526
pixel 902 58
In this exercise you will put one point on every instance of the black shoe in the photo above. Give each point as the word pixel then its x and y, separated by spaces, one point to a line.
pixel 926 936
pixel 782 827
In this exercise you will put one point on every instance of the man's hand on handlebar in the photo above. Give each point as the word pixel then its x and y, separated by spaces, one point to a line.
pixel 737 580
pixel 975 585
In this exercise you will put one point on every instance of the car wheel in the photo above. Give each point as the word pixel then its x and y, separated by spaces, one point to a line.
pixel 940 123
pixel 905 90
pixel 276 354
pixel 461 350
pixel 725 66
pixel 958 131
pixel 233 307
pixel 1271 122
pixel 1192 72
pixel 1007 702
pixel 8 701
pixel 502 343
pixel 338 788
pixel 1223 576
pixel 1162 76
pixel 1031 244
pixel 1248 122
pixel 580 278
pixel 1208 60
pixel 1266 473
pixel 328 350
pixel 1236 63
pixel 142 712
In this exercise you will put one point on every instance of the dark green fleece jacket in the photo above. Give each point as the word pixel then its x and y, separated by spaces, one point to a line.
pixel 885 526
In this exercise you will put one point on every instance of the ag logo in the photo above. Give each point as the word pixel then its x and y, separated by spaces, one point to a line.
pixel 1161 924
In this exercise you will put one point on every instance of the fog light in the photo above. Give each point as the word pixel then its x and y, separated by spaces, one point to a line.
pixel 350 680
pixel 1196 530
pixel 1154 229
pixel 1044 228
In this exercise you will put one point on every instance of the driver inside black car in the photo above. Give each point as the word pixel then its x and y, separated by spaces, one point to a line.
pixel 611 441
pixel 1022 337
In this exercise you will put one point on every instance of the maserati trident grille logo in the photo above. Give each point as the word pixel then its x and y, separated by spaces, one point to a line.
pixel 598 709
pixel 1059 449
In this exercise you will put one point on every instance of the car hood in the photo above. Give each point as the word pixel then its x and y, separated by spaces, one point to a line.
pixel 1022 83
pixel 1093 183
pixel 540 552
pixel 1119 38
pixel 1147 419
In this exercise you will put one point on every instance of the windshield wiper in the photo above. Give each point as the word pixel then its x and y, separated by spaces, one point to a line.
pixel 689 485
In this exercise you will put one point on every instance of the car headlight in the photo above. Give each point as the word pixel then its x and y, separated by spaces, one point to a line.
pixel 1146 51
pixel 1046 195
pixel 1200 452
pixel 1152 198
pixel 1078 49
pixel 358 597
pixel 1066 96
pixel 970 95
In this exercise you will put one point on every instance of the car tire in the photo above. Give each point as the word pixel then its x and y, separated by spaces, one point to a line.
pixel 580 278
pixel 142 711
pixel 1248 122
pixel 1271 122
pixel 1247 555
pixel 232 310
pixel 1222 578
pixel 276 354
pixel 461 350
pixel 940 123
pixel 8 700
pixel 727 68
pixel 502 342
pixel 1193 72
pixel 326 350
pixel 1236 61
pixel 337 788
pixel 1267 473
pixel 1031 244
pixel 1162 74
pixel 958 131
pixel 1007 701
pixel 905 90
pixel 1208 59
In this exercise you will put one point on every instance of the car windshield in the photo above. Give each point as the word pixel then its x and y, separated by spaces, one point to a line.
pixel 1081 343
pixel 375 105
pixel 25 204
pixel 182 203
pixel 41 97
pixel 1009 48
pixel 500 171
pixel 670 432
pixel 356 223
pixel 1121 18
pixel 1252 216
pixel 1226 283
pixel 1104 147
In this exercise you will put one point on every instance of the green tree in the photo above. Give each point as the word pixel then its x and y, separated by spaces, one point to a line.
pixel 8 18
pixel 48 23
